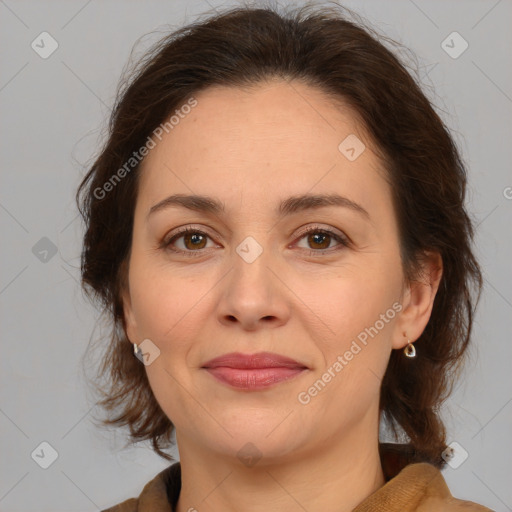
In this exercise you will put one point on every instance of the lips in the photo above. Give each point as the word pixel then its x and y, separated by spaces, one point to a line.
pixel 253 372
pixel 253 361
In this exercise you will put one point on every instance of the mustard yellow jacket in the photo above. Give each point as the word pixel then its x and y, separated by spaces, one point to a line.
pixel 416 487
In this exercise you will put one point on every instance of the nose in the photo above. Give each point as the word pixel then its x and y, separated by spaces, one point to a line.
pixel 253 294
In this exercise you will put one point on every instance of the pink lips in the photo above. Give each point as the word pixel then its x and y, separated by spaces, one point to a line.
pixel 252 372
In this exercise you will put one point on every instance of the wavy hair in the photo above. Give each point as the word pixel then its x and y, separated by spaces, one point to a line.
pixel 347 60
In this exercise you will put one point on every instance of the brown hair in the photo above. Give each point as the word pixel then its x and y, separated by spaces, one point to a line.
pixel 348 61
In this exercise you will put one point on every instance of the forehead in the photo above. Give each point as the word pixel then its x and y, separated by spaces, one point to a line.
pixel 263 138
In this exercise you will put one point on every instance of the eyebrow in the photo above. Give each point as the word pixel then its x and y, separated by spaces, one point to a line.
pixel 289 206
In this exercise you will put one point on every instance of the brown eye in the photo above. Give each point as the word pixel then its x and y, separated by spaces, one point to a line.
pixel 193 241
pixel 319 241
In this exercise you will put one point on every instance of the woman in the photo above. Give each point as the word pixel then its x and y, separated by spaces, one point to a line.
pixel 276 225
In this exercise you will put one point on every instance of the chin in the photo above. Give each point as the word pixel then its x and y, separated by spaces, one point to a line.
pixel 268 441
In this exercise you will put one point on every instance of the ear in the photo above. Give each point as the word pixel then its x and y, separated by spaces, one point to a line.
pixel 129 323
pixel 418 301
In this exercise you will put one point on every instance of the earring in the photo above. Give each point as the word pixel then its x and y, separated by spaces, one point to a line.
pixel 409 350
pixel 137 351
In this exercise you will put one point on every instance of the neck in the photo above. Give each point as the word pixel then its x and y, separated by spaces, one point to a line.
pixel 333 478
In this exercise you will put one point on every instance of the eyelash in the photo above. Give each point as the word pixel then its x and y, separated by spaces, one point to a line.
pixel 344 242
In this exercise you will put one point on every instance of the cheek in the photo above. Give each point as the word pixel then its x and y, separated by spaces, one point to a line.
pixel 352 302
pixel 161 301
pixel 360 310
pixel 167 310
pixel 355 357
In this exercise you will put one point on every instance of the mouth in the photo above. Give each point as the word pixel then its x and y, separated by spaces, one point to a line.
pixel 254 372
pixel 254 379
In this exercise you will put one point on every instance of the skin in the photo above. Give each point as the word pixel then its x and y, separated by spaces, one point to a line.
pixel 251 149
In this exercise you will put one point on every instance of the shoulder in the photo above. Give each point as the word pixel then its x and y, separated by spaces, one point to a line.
pixel 155 495
pixel 433 493
pixel 418 487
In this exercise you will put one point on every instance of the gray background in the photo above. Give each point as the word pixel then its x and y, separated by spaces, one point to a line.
pixel 53 114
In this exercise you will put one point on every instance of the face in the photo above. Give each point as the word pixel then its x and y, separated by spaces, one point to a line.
pixel 317 284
